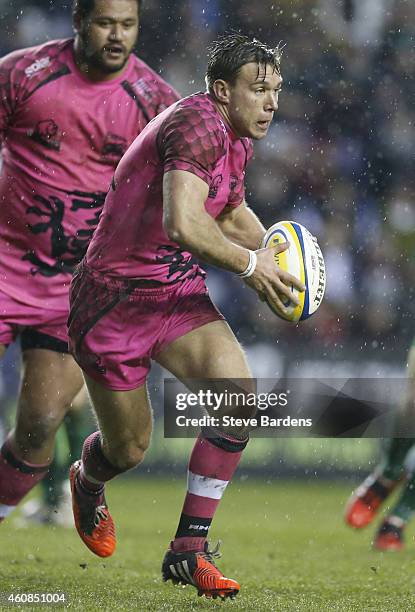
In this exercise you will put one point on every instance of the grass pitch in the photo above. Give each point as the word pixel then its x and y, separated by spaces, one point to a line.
pixel 284 542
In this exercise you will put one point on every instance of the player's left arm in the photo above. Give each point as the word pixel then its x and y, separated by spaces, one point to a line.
pixel 241 225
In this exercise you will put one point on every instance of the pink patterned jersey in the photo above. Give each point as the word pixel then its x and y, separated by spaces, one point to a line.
pixel 62 137
pixel 191 135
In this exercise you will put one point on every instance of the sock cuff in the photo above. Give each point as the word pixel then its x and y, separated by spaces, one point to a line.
pixel 97 446
pixel 223 441
pixel 25 467
pixel 94 462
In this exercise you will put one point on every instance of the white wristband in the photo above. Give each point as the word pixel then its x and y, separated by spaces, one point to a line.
pixel 250 268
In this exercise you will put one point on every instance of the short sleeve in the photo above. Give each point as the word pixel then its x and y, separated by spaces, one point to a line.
pixel 21 73
pixel 192 140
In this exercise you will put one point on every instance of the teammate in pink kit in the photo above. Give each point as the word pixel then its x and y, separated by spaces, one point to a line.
pixel 139 294
pixel 69 109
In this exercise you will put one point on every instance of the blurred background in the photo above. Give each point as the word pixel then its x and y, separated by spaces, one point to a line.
pixel 339 158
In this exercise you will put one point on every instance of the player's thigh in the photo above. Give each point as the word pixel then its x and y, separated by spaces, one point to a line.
pixel 124 417
pixel 81 400
pixel 51 380
pixel 213 352
pixel 3 349
pixel 210 351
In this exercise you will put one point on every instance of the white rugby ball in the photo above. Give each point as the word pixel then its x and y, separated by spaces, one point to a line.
pixel 304 260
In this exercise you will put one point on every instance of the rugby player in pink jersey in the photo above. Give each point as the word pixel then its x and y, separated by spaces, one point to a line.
pixel 140 294
pixel 69 109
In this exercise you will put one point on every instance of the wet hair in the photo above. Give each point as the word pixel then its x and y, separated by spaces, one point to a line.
pixel 82 8
pixel 230 52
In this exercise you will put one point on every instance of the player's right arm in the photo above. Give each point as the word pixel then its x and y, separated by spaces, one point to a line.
pixel 187 223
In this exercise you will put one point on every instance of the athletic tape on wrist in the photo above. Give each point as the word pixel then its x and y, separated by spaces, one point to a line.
pixel 250 269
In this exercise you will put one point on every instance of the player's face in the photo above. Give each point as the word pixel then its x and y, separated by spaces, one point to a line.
pixel 107 36
pixel 253 100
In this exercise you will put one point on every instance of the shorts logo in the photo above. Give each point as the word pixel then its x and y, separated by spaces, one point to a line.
pixel 114 147
pixel 214 186
pixel 47 133
pixel 38 65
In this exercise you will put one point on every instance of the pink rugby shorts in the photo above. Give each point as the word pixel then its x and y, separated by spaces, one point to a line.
pixel 16 317
pixel 115 329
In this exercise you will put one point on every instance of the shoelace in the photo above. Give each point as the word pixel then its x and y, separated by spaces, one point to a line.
pixel 100 513
pixel 210 555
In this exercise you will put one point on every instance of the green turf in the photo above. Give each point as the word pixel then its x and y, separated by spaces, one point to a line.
pixel 284 542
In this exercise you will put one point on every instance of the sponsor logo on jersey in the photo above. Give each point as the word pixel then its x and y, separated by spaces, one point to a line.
pixel 144 89
pixel 38 65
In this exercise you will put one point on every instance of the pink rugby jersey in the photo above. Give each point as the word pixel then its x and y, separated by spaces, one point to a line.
pixel 191 135
pixel 62 136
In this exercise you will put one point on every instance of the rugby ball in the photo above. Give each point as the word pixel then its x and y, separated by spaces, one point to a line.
pixel 304 260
